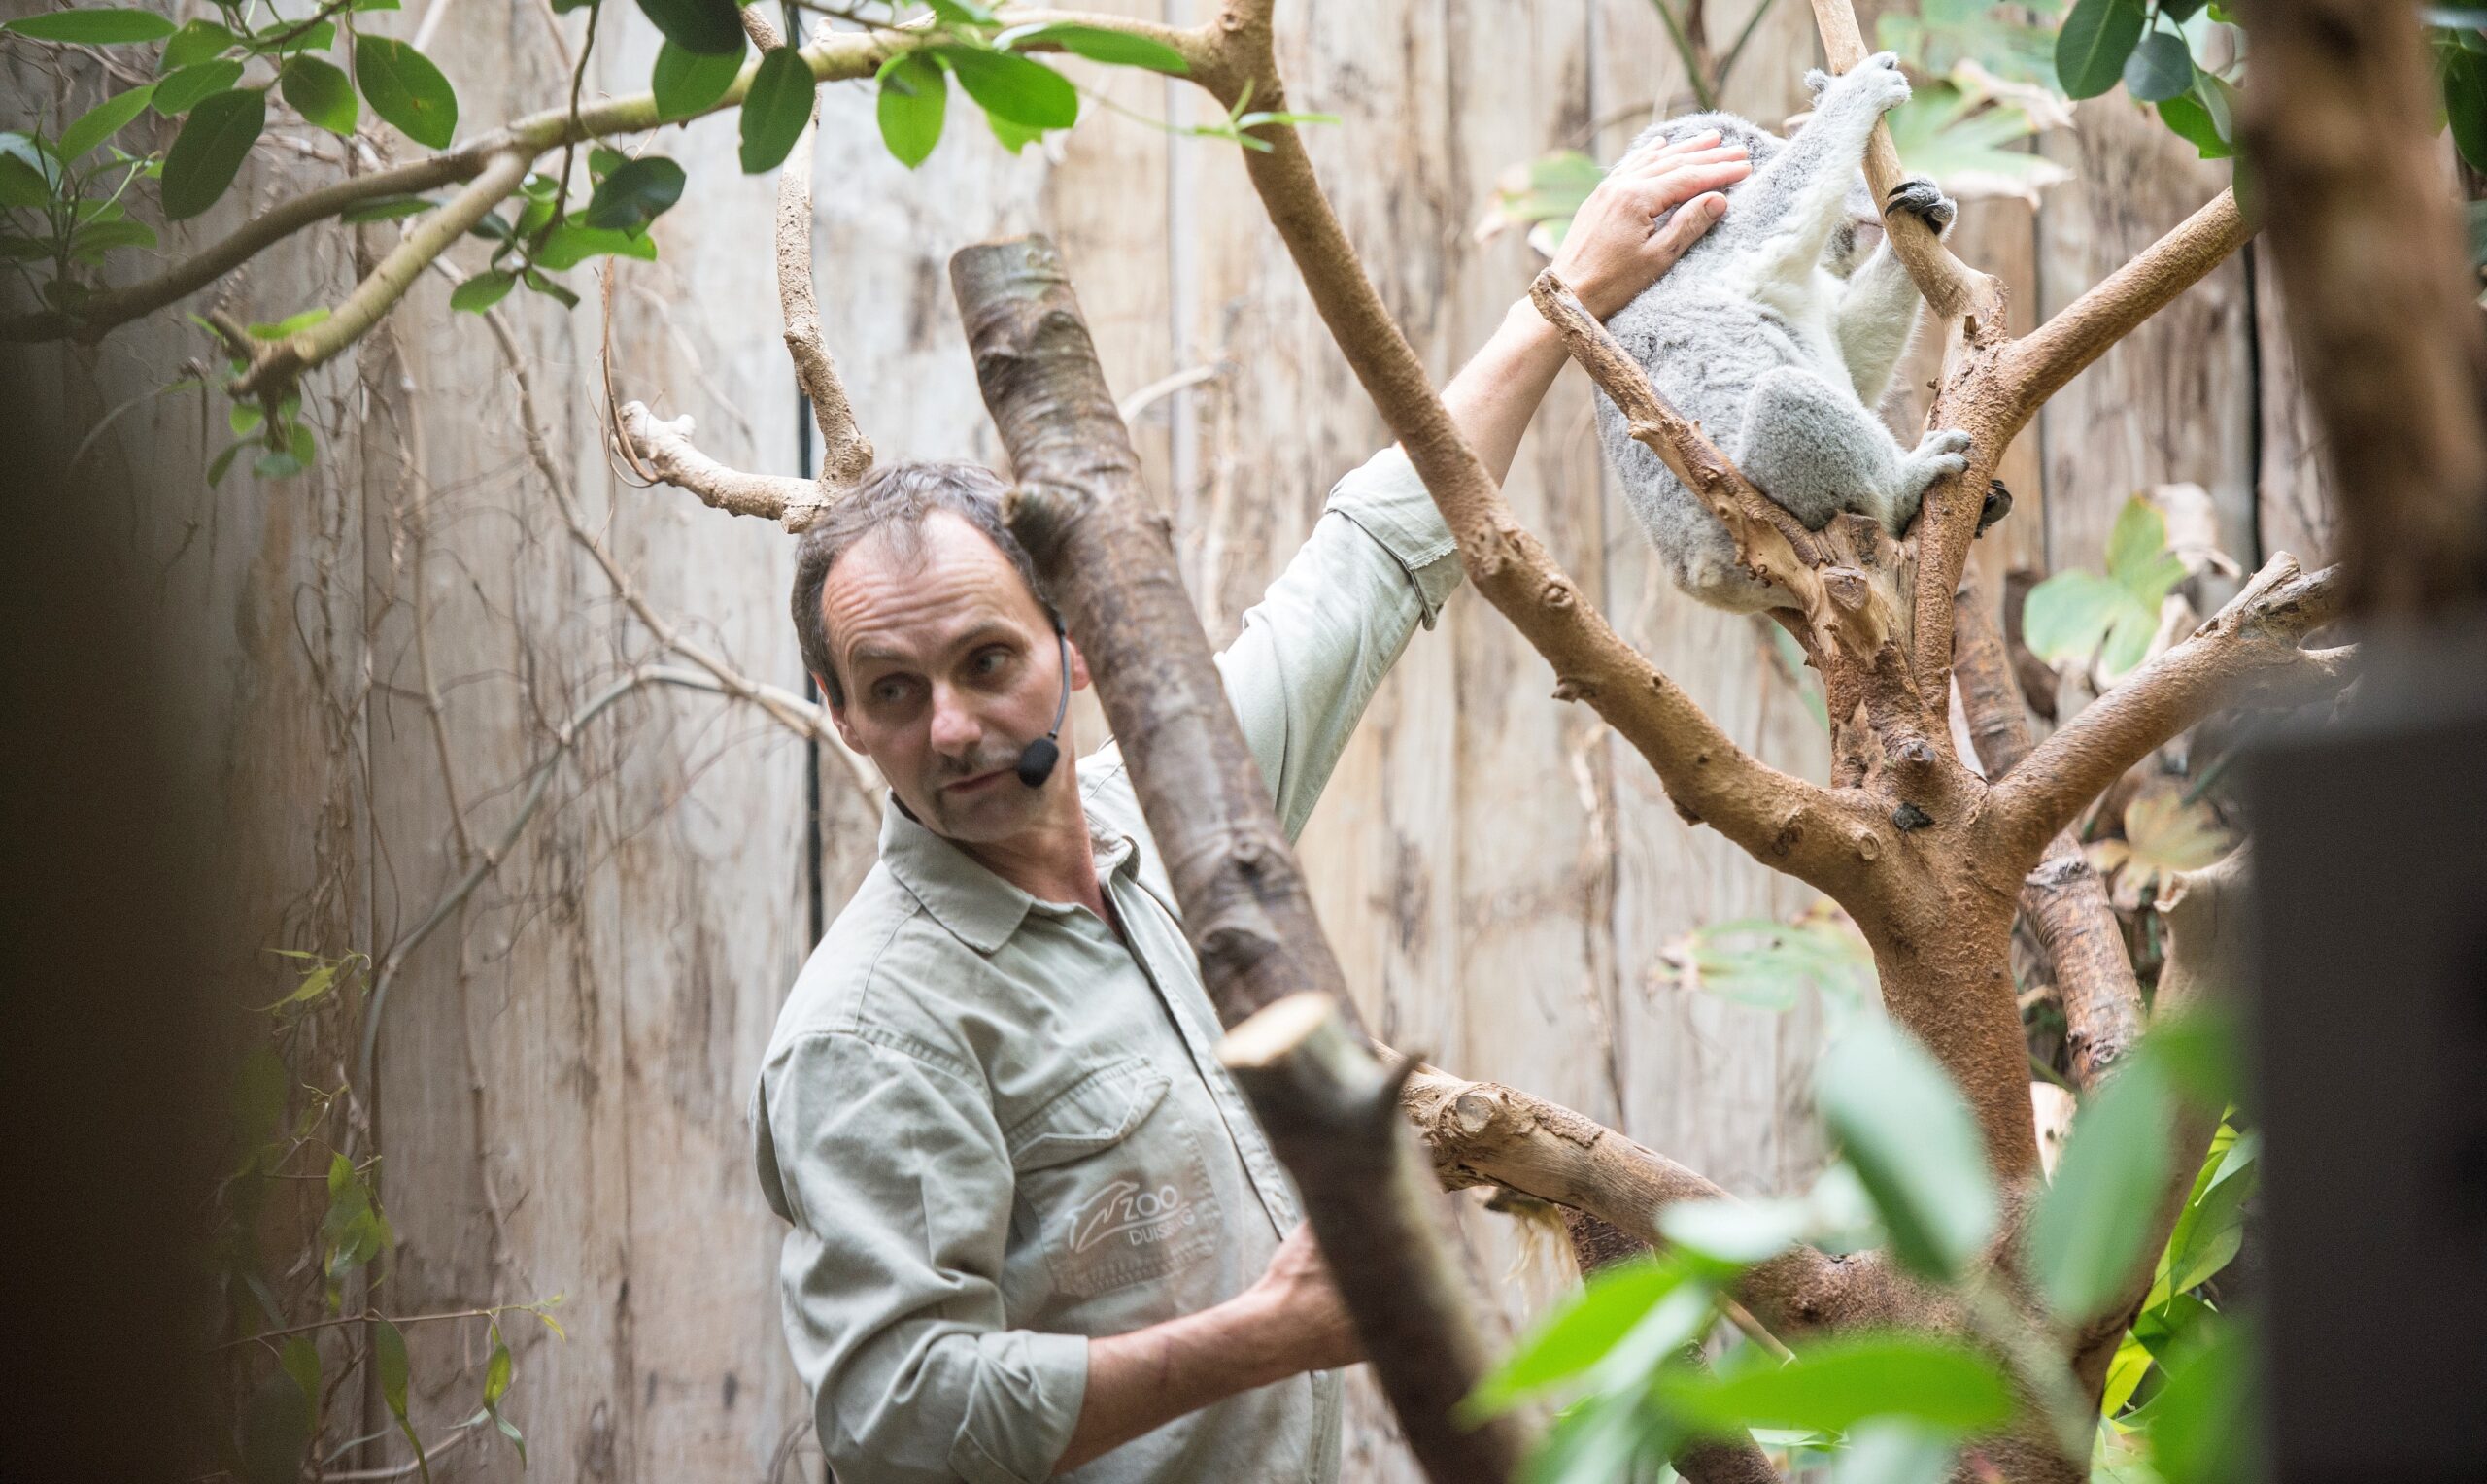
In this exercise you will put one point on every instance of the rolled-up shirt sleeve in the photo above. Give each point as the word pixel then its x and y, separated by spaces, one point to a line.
pixel 897 1181
pixel 1315 647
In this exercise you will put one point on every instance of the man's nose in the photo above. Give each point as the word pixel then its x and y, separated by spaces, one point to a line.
pixel 956 730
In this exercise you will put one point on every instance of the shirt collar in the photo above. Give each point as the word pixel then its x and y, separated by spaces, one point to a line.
pixel 961 893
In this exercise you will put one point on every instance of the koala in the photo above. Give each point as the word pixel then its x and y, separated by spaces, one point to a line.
pixel 1773 336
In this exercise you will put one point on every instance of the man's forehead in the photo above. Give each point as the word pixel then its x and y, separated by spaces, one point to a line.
pixel 926 585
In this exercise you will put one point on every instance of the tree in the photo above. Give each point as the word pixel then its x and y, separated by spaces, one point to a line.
pixel 1928 854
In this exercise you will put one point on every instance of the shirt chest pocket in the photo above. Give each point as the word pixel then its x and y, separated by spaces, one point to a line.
pixel 1112 1183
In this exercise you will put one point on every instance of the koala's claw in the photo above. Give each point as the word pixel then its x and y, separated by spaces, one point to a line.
pixel 1925 201
pixel 1944 440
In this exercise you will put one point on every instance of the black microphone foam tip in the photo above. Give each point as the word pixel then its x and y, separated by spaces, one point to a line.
pixel 1035 764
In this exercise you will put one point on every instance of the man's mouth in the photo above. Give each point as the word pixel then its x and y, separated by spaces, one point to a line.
pixel 976 783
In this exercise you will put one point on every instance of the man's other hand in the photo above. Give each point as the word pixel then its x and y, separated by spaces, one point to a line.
pixel 1617 247
pixel 1304 1304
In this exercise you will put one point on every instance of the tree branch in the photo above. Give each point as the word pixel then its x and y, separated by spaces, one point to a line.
pixel 845 453
pixel 2039 363
pixel 2341 124
pixel 2248 651
pixel 1951 287
pixel 1486 1133
pixel 666 448
pixel 1790 824
pixel 2063 899
pixel 1108 562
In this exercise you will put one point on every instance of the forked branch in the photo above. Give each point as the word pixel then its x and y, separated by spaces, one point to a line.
pixel 2248 652
pixel 664 446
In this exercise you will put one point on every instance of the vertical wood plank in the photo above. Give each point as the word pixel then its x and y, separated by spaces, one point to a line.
pixel 2294 500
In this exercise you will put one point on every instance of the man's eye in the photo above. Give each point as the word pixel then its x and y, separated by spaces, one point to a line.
pixel 889 691
pixel 991 661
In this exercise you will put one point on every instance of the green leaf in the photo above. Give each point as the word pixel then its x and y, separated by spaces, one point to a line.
pixel 29 173
pixel 497 1371
pixel 2086 1240
pixel 93 28
pixel 2465 104
pixel 914 99
pixel 1892 1452
pixel 181 90
pixel 291 325
pixel 484 291
pixel 91 241
pixel 283 37
pixel 687 83
pixel 2191 122
pixel 275 1429
pixel 1013 137
pixel 214 140
pixel 776 110
pixel 386 208
pixel 539 283
pixel 195 42
pixel 2160 67
pixel 102 121
pixel 406 90
pixel 2201 1425
pixel 1735 1232
pixel 242 419
pixel 388 1355
pixel 2066 616
pixel 708 27
pixel 634 194
pixel 2139 537
pixel 1914 1145
pixel 1577 1334
pixel 320 93
pixel 217 467
pixel 1839 1383
pixel 300 1360
pixel 2212 1230
pixel 1010 86
pixel 570 245
pixel 2178 11
pixel 2092 47
pixel 1098 44
pixel 2124 1373
pixel 961 13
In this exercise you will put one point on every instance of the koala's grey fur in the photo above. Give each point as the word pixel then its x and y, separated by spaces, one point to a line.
pixel 1772 336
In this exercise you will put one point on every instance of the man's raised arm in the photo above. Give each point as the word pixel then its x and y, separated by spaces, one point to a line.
pixel 1381 561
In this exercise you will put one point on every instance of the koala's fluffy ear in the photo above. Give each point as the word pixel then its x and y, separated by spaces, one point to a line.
pixel 1816 80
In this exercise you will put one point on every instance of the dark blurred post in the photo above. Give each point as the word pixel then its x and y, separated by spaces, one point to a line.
pixel 2371 991
pixel 110 1084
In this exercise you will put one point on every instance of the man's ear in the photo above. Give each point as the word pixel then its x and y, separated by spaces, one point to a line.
pixel 1079 679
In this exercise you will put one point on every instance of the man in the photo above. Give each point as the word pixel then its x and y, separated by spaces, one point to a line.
pixel 1034 1228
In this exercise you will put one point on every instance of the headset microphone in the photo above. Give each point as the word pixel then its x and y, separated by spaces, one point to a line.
pixel 1037 759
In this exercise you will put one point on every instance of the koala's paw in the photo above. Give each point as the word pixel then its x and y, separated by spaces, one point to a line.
pixel 1940 453
pixel 1923 199
pixel 1875 82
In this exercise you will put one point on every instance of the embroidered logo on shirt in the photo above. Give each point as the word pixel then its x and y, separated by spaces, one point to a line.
pixel 1129 1215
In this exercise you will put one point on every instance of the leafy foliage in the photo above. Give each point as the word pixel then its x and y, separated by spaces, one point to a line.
pixel 2078 615
pixel 301 1248
pixel 1626 1357
pixel 2186 58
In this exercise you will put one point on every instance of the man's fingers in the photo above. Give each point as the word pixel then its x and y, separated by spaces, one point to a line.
pixel 1683 229
pixel 1678 186
pixel 1678 159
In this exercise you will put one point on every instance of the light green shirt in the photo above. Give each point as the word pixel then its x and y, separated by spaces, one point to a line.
pixel 997 1128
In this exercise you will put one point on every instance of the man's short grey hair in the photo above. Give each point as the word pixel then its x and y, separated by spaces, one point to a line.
pixel 894 499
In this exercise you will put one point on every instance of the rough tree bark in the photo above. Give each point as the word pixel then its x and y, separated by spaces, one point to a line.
pixel 1329 1106
pixel 2340 123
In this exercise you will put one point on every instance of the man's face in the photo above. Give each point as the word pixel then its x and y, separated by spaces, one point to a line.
pixel 949 669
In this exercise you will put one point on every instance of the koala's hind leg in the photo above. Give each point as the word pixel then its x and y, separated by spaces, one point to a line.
pixel 1813 448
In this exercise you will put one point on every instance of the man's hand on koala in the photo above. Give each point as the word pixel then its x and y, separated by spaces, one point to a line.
pixel 1654 205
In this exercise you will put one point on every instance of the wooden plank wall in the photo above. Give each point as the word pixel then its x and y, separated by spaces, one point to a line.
pixel 565 1072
